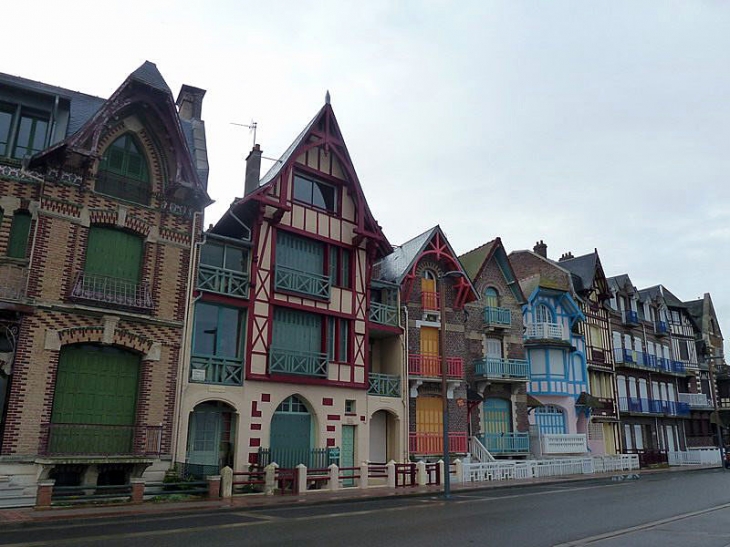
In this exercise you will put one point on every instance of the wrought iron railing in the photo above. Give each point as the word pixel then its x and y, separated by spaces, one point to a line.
pixel 383 314
pixel 630 317
pixel 302 363
pixel 122 187
pixel 111 290
pixel 661 328
pixel 433 443
pixel 506 443
pixel 13 278
pixel 216 370
pixel 222 281
pixel 497 317
pixel 545 331
pixel 100 439
pixel 307 283
pixel 430 366
pixel 385 385
pixel 499 367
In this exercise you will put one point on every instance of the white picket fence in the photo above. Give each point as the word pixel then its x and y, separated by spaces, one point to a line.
pixel 696 456
pixel 528 469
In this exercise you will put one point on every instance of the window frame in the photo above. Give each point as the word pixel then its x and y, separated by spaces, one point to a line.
pixel 340 266
pixel 18 241
pixel 299 178
pixel 217 349
pixel 109 179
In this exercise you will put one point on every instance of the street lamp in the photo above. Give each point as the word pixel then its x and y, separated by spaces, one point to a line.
pixel 444 374
pixel 716 409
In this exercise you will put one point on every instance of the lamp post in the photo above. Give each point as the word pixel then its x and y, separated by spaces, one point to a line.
pixel 444 375
pixel 715 407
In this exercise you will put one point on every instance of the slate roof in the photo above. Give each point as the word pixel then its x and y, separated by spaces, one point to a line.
pixel 696 309
pixel 618 282
pixel 473 260
pixel 660 291
pixel 396 265
pixel 82 106
pixel 583 269
pixel 148 74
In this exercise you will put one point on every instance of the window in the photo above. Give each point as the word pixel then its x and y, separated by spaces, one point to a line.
pixel 223 269
pixel 19 232
pixel 217 331
pixel 349 406
pixel 316 193
pixel 23 132
pixel 543 314
pixel 683 350
pixel 123 171
pixel 113 253
pixel 339 267
pixel 6 123
pixel 491 297
pixel 223 256
pixel 338 336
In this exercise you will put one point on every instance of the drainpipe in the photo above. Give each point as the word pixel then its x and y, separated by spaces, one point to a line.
pixel 405 389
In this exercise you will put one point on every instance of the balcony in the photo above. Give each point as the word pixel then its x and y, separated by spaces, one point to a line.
pixel 100 440
pixel 506 443
pixel 222 281
pixel 636 405
pixel 661 328
pixel 216 370
pixel 695 400
pixel 545 331
pixel 496 368
pixel 596 356
pixel 383 314
pixel 101 289
pixel 564 443
pixel 497 317
pixel 300 363
pixel 429 366
pixel 433 443
pixel 605 408
pixel 13 278
pixel 630 318
pixel 300 282
pixel 678 367
pixel 430 301
pixel 384 385
pixel 663 364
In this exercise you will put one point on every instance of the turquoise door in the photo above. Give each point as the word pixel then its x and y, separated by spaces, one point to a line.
pixel 291 434
pixel 497 424
pixel 347 453
pixel 205 436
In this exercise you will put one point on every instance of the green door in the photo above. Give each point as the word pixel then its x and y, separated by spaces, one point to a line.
pixel 291 434
pixel 95 401
pixel 347 454
pixel 113 253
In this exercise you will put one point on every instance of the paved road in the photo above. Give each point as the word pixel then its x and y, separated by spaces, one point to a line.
pixel 673 509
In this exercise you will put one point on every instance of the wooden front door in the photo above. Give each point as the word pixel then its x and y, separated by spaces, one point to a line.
pixel 429 425
pixel 430 352
pixel 347 455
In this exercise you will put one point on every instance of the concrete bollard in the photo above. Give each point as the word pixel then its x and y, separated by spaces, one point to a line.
pixel 459 471
pixel 334 482
pixel 226 482
pixel 44 493
pixel 390 468
pixel 442 468
pixel 214 487
pixel 364 470
pixel 270 479
pixel 137 490
pixel 421 474
pixel 301 478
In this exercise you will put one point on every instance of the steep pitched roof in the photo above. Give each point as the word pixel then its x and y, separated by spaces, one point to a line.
pixel 476 260
pixel 397 264
pixel 583 268
pixel 619 282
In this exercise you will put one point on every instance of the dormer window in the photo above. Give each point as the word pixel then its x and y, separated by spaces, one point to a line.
pixel 23 132
pixel 123 172
pixel 314 192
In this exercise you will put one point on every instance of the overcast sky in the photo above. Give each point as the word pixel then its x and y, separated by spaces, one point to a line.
pixel 585 124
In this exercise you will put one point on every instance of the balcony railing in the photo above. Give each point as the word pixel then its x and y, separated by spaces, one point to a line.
pixel 430 300
pixel 383 314
pixel 678 367
pixel 13 278
pixel 497 317
pixel 430 366
pixel 384 385
pixel 661 328
pixel 433 443
pixel 564 443
pixel 216 370
pixel 695 400
pixel 499 367
pixel 110 290
pixel 646 361
pixel 506 443
pixel 545 331
pixel 222 281
pixel 307 283
pixel 641 405
pixel 596 355
pixel 98 439
pixel 605 407
pixel 301 363
pixel 630 317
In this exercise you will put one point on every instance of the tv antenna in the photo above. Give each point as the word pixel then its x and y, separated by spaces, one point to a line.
pixel 251 128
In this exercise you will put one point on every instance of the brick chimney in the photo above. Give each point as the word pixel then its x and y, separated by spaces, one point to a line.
pixel 540 248
pixel 253 170
pixel 566 256
pixel 190 102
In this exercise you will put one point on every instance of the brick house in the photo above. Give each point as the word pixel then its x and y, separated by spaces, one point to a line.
pixel 100 206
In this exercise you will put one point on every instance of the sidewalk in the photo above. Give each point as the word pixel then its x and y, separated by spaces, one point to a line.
pixel 257 501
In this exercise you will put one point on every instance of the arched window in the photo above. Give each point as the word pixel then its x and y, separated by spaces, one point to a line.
pixel 123 172
pixel 543 314
pixel 491 297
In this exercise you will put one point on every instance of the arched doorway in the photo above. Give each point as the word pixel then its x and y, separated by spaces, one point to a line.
pixel 383 437
pixel 211 434
pixel 291 433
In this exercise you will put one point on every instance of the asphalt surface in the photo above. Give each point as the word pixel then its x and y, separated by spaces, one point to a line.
pixel 674 509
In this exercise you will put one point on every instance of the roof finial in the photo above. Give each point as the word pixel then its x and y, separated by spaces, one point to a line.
pixel 327 97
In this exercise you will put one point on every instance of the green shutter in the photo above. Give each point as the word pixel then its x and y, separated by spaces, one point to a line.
pixel 19 231
pixel 299 253
pixel 114 253
pixel 297 331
